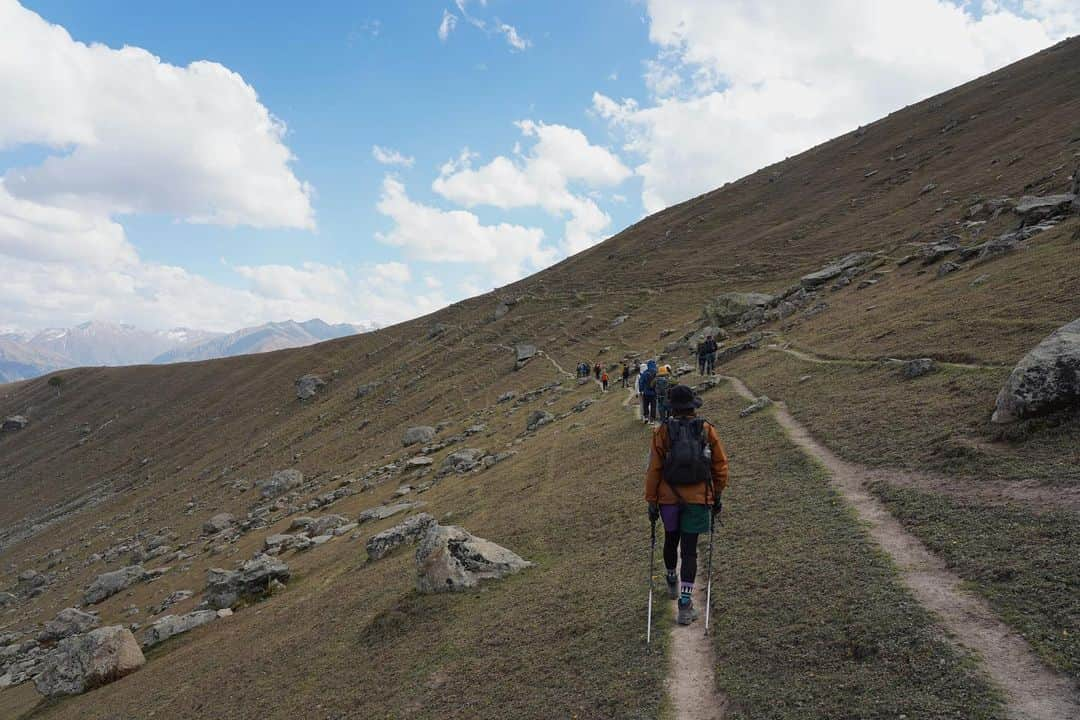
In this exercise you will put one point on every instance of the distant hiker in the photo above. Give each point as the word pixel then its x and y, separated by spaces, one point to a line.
pixel 596 370
pixel 664 382
pixel 688 470
pixel 710 355
pixel 603 381
pixel 702 357
pixel 583 369
pixel 625 375
pixel 647 390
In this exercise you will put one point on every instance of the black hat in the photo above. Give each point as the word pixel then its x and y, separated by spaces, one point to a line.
pixel 681 397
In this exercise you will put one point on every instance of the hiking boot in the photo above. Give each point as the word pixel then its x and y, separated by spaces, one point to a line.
pixel 687 613
pixel 673 587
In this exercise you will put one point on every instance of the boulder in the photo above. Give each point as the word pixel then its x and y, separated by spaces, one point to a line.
pixel 13 423
pixel 933 253
pixel 381 512
pixel 108 584
pixel 308 385
pixel 172 625
pixel 1046 379
pixel 538 418
pixel 917 368
pixel 218 523
pixel 172 599
pixel 619 320
pixel 462 461
pixel 418 434
pixel 523 354
pixel 326 524
pixel 280 483
pixel 827 273
pixel 760 404
pixel 224 588
pixel 450 559
pixel 1033 209
pixel 506 397
pixel 277 542
pixel 420 461
pixel 412 529
pixel 948 268
pixel 84 662
pixel 68 622
pixel 501 310
pixel 727 308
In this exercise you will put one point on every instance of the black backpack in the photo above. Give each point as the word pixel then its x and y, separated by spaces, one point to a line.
pixel 687 461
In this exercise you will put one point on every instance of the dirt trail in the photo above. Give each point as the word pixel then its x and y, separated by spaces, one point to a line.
pixel 690 682
pixel 1033 691
pixel 820 360
pixel 553 362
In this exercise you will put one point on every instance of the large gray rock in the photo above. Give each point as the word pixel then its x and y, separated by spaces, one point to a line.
pixel 1034 209
pixel 1045 380
pixel 916 368
pixel 225 588
pixel 412 529
pixel 172 625
pixel 280 482
pixel 325 524
pixel 13 423
pixel 727 308
pixel 68 622
pixel 308 385
pixel 524 353
pixel 827 273
pixel 418 434
pixel 462 461
pixel 758 405
pixel 84 662
pixel 218 523
pixel 108 584
pixel 538 418
pixel 449 559
pixel 381 512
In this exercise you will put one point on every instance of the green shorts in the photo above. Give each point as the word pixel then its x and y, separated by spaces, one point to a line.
pixel 690 518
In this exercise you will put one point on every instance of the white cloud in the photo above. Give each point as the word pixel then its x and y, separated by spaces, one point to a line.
pixel 560 157
pixel 514 40
pixel 133 134
pixel 389 156
pixel 449 22
pixel 432 282
pixel 430 234
pixel 393 272
pixel 738 85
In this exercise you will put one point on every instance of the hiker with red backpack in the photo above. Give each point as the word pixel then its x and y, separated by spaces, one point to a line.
pixel 603 381
pixel 688 470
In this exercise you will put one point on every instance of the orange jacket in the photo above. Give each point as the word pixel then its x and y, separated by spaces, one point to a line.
pixel 661 492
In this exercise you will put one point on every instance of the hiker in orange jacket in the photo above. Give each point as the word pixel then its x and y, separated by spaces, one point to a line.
pixel 688 470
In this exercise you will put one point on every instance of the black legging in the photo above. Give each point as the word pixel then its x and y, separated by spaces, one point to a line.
pixel 689 553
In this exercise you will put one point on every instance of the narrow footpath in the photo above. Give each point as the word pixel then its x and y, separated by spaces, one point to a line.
pixel 1033 691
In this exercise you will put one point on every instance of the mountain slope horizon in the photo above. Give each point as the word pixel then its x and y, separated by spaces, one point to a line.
pixel 812 618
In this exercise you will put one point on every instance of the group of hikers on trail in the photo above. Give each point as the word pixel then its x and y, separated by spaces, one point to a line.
pixel 597 370
pixel 706 355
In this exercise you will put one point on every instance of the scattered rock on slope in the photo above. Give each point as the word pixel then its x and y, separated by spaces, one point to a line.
pixel 461 461
pixel 727 308
pixel 13 423
pixel 760 404
pixel 410 530
pixel 308 385
pixel 418 434
pixel 280 482
pixel 827 273
pixel 172 625
pixel 68 622
pixel 224 588
pixel 538 418
pixel 524 353
pixel 218 523
pixel 1045 380
pixel 917 368
pixel 108 584
pixel 449 559
pixel 84 662
pixel 381 512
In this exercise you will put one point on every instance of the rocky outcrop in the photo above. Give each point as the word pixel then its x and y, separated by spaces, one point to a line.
pixel 218 523
pixel 461 461
pixel 916 368
pixel 381 512
pixel 1034 209
pixel 280 483
pixel 108 584
pixel 308 385
pixel 411 530
pixel 325 524
pixel 538 418
pixel 172 625
pixel 833 270
pixel 450 559
pixel 417 435
pixel 523 354
pixel 760 404
pixel 225 588
pixel 1046 379
pixel 68 622
pixel 84 662
pixel 727 308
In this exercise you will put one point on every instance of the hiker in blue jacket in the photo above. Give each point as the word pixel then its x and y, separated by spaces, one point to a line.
pixel 647 388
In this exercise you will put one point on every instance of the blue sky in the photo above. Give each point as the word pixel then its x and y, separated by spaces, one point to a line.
pixel 152 191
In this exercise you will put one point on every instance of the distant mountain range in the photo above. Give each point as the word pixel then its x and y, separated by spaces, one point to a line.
pixel 99 343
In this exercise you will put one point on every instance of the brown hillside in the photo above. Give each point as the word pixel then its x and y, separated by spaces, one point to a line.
pixel 127 453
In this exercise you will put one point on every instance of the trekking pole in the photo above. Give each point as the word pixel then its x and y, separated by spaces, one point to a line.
pixel 708 589
pixel 652 565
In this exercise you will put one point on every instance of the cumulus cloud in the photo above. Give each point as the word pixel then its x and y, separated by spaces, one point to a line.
pixel 431 234
pixel 738 85
pixel 389 156
pixel 133 134
pixel 542 177
pixel 513 39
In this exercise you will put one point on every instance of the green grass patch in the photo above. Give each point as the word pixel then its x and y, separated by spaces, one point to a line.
pixel 812 620
pixel 1026 564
